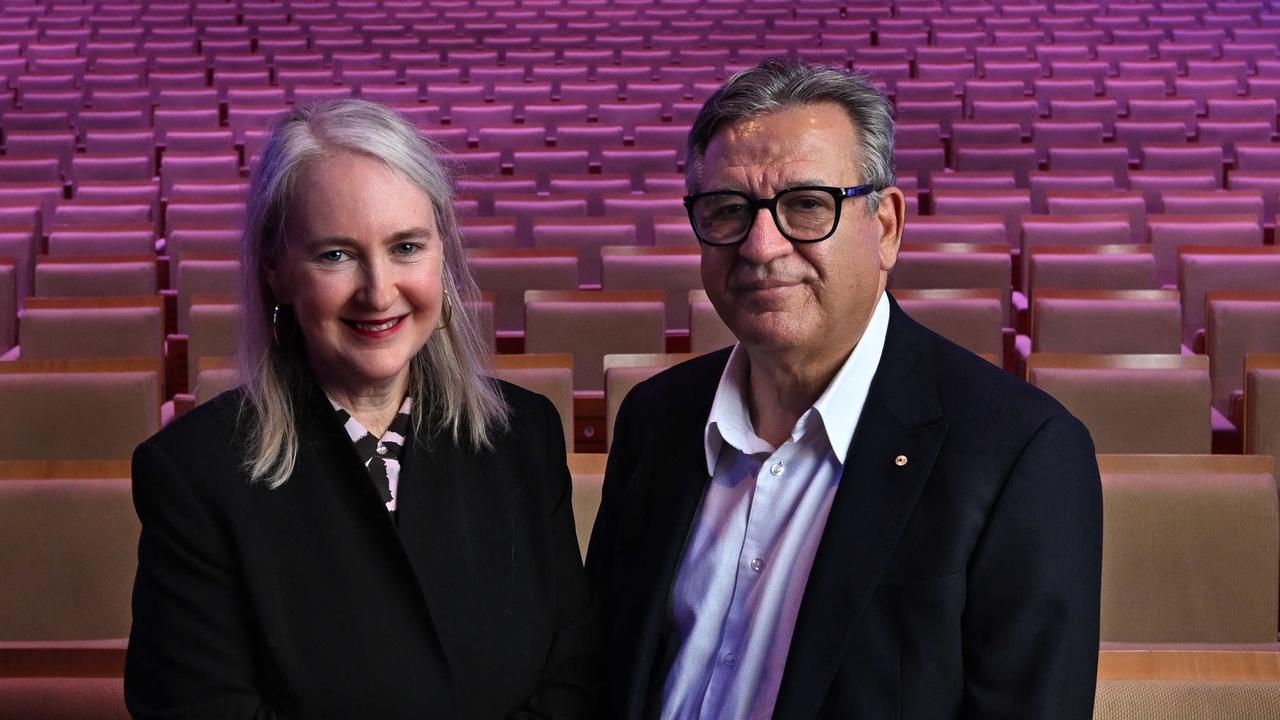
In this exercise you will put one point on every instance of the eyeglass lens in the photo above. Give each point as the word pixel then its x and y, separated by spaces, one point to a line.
pixel 800 214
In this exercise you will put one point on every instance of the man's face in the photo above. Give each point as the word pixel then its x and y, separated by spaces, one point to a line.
pixel 811 298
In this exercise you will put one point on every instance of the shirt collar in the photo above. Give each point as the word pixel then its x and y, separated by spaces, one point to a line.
pixel 839 406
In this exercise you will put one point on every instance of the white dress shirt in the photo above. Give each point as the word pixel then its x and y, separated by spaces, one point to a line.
pixel 740 583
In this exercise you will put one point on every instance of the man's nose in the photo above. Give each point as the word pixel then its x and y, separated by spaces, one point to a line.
pixel 764 241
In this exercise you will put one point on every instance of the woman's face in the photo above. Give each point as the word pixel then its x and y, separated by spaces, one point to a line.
pixel 362 270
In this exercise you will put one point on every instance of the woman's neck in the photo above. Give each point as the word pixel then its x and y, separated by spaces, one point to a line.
pixel 374 407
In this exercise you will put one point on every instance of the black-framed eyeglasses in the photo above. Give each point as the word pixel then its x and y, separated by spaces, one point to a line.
pixel 804 214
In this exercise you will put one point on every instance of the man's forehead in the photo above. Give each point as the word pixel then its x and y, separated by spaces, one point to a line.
pixel 806 139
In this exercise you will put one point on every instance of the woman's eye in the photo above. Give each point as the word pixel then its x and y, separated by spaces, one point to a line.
pixel 333 256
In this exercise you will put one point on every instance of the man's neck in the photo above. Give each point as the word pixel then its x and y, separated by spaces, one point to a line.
pixel 779 390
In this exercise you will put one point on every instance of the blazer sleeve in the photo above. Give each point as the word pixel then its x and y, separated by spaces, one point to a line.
pixel 1031 623
pixel 190 650
pixel 570 684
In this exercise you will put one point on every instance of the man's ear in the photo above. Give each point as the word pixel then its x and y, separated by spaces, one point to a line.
pixel 891 215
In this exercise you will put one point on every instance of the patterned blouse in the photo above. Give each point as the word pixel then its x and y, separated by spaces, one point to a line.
pixel 381 456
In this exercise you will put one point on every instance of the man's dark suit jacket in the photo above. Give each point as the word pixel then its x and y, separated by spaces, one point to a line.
pixel 963 583
pixel 308 601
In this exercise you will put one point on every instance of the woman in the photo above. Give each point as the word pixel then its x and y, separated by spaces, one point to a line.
pixel 370 527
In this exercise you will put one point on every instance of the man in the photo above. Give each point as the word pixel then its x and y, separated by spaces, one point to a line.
pixel 845 515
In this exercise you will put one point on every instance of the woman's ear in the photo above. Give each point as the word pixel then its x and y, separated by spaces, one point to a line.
pixel 275 281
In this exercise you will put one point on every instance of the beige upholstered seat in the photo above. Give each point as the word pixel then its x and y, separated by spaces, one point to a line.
pixel 1170 232
pixel 587 470
pixel 77 409
pixel 1191 549
pixel 214 376
pixel 508 273
pixel 86 276
pixel 68 550
pixel 106 327
pixel 1238 322
pixel 549 374
pixel 1106 321
pixel 62 698
pixel 587 236
pixel 1202 268
pixel 1132 403
pixel 8 303
pixel 707 331
pixel 214 330
pixel 954 266
pixel 674 270
pixel 972 319
pixel 1186 700
pixel 1262 404
pixel 1078 231
pixel 1097 267
pixel 203 274
pixel 590 325
pixel 623 372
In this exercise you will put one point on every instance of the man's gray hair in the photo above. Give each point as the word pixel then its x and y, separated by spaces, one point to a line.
pixel 780 83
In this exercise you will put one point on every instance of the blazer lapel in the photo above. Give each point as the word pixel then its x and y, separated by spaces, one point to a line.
pixel 876 496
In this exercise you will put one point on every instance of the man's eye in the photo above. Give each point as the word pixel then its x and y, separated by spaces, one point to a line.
pixel 407 248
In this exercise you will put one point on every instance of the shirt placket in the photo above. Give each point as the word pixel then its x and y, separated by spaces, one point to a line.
pixel 760 534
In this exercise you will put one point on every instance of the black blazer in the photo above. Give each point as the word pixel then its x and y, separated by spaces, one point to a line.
pixel 964 583
pixel 308 601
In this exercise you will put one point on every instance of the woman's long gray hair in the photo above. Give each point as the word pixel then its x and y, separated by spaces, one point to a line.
pixel 449 380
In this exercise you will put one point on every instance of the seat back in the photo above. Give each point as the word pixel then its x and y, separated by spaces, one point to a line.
pixel 971 318
pixel 1132 403
pixel 1191 547
pixel 549 374
pixel 68 550
pixel 1098 267
pixel 1238 322
pixel 1262 404
pixel 1202 268
pixel 707 332
pixel 1106 321
pixel 106 327
pixel 63 698
pixel 622 372
pixel 590 325
pixel 954 266
pixel 8 303
pixel 204 274
pixel 508 273
pixel 95 276
pixel 1170 232
pixel 673 270
pixel 77 409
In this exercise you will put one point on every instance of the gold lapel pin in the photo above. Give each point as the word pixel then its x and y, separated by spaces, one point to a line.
pixel 900 460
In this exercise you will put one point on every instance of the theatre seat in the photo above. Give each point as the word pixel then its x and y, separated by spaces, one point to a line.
pixel 95 276
pixel 955 266
pixel 1191 549
pixel 1132 403
pixel 1238 322
pixel 673 270
pixel 1106 321
pixel 549 374
pixel 62 698
pixel 587 471
pixel 971 318
pixel 622 372
pixel 93 327
pixel 707 332
pixel 68 550
pixel 77 409
pixel 1262 404
pixel 590 325
pixel 1186 699
pixel 508 273
pixel 8 303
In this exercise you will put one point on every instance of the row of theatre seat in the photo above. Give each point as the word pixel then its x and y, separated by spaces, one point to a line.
pixel 1092 195
pixel 1191 551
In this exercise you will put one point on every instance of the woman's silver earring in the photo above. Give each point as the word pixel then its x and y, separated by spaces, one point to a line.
pixel 275 323
pixel 446 311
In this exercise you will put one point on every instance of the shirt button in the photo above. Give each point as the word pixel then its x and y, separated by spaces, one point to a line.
pixel 757 564
pixel 382 449
pixel 777 468
pixel 730 659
